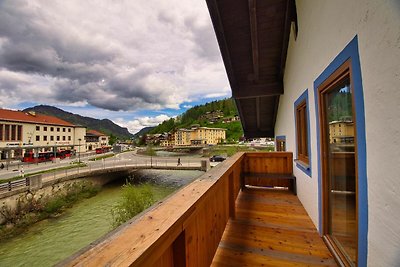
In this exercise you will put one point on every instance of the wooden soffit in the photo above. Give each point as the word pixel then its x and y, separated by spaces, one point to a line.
pixel 253 38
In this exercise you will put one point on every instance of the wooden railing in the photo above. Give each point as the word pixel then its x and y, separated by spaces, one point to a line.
pixel 269 170
pixel 184 230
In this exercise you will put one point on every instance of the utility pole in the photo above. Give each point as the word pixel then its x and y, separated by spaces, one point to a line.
pixel 79 151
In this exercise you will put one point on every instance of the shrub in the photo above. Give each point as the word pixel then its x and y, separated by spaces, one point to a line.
pixel 134 200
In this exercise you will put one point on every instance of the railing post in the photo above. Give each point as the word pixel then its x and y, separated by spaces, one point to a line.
pixel 9 185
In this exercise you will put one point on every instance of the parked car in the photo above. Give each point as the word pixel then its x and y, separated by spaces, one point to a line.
pixel 216 158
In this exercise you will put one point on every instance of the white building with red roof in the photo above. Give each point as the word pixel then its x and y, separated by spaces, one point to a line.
pixel 95 139
pixel 29 131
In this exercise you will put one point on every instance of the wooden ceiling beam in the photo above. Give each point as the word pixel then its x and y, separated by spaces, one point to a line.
pixel 258 112
pixel 290 15
pixel 254 40
pixel 259 90
pixel 220 34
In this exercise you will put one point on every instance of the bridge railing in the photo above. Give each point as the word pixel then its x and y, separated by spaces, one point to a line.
pixel 102 165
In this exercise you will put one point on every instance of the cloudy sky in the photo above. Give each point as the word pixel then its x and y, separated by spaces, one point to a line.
pixel 134 62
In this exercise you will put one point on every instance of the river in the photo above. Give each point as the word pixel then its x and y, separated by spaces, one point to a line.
pixel 53 240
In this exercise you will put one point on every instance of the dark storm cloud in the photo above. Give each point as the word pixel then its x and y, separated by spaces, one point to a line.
pixel 107 54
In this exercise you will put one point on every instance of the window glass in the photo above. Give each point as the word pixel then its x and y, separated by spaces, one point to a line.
pixel 302 135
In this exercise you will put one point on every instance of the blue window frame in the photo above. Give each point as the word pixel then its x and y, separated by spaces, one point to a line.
pixel 302 123
pixel 280 143
pixel 350 52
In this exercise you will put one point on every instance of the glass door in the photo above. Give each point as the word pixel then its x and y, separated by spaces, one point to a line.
pixel 339 167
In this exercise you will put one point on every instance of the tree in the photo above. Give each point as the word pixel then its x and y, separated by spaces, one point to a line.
pixel 113 139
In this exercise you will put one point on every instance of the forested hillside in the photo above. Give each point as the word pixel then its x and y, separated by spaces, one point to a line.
pixel 194 116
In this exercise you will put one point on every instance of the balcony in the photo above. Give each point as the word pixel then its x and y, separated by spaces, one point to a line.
pixel 230 216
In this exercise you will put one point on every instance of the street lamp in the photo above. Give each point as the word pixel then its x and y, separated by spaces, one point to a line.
pixel 79 150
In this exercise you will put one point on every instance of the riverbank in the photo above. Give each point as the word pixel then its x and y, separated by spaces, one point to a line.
pixel 31 210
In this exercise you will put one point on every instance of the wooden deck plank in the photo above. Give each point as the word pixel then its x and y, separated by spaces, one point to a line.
pixel 271 228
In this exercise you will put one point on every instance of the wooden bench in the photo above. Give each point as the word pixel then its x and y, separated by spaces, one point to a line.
pixel 272 179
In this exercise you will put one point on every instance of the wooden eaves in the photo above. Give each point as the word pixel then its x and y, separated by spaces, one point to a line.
pixel 253 36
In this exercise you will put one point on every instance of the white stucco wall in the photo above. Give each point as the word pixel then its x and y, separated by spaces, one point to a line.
pixel 80 133
pixel 325 28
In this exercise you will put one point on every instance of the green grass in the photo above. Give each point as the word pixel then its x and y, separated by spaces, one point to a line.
pixel 72 166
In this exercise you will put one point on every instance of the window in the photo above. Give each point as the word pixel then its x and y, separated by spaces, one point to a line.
pixel 51 129
pixel 303 161
pixel 13 132
pixel 69 130
pixel 69 138
pixel 7 132
pixel 58 129
pixel 280 143
pixel 37 128
pixel 301 128
pixel 45 128
pixel 1 132
pixel 19 134
pixel 51 138
pixel 63 138
pixel 64 130
pixel 58 138
pixel 37 138
pixel 45 138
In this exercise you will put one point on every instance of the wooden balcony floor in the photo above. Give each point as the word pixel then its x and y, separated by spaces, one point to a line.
pixel 271 228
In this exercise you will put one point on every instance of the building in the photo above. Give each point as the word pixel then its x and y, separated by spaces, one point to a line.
pixel 341 132
pixel 167 139
pixel 199 136
pixel 95 139
pixel 296 68
pixel 30 131
pixel 212 116
pixel 231 119
pixel 182 137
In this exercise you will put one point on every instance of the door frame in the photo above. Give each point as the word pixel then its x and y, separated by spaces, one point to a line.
pixel 351 54
pixel 336 78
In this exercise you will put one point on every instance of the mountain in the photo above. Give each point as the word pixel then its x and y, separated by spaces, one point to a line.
pixel 143 131
pixel 105 125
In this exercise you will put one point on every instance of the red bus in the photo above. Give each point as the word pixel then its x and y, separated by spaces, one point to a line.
pixel 46 156
pixel 43 156
pixel 103 149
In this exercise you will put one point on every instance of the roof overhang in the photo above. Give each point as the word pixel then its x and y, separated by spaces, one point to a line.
pixel 253 38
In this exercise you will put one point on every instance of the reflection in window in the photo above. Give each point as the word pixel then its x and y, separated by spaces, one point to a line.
pixel 341 168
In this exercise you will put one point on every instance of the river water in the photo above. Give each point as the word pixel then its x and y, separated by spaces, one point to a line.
pixel 53 240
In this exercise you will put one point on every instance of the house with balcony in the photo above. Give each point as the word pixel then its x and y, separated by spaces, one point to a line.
pixel 95 139
pixel 297 70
